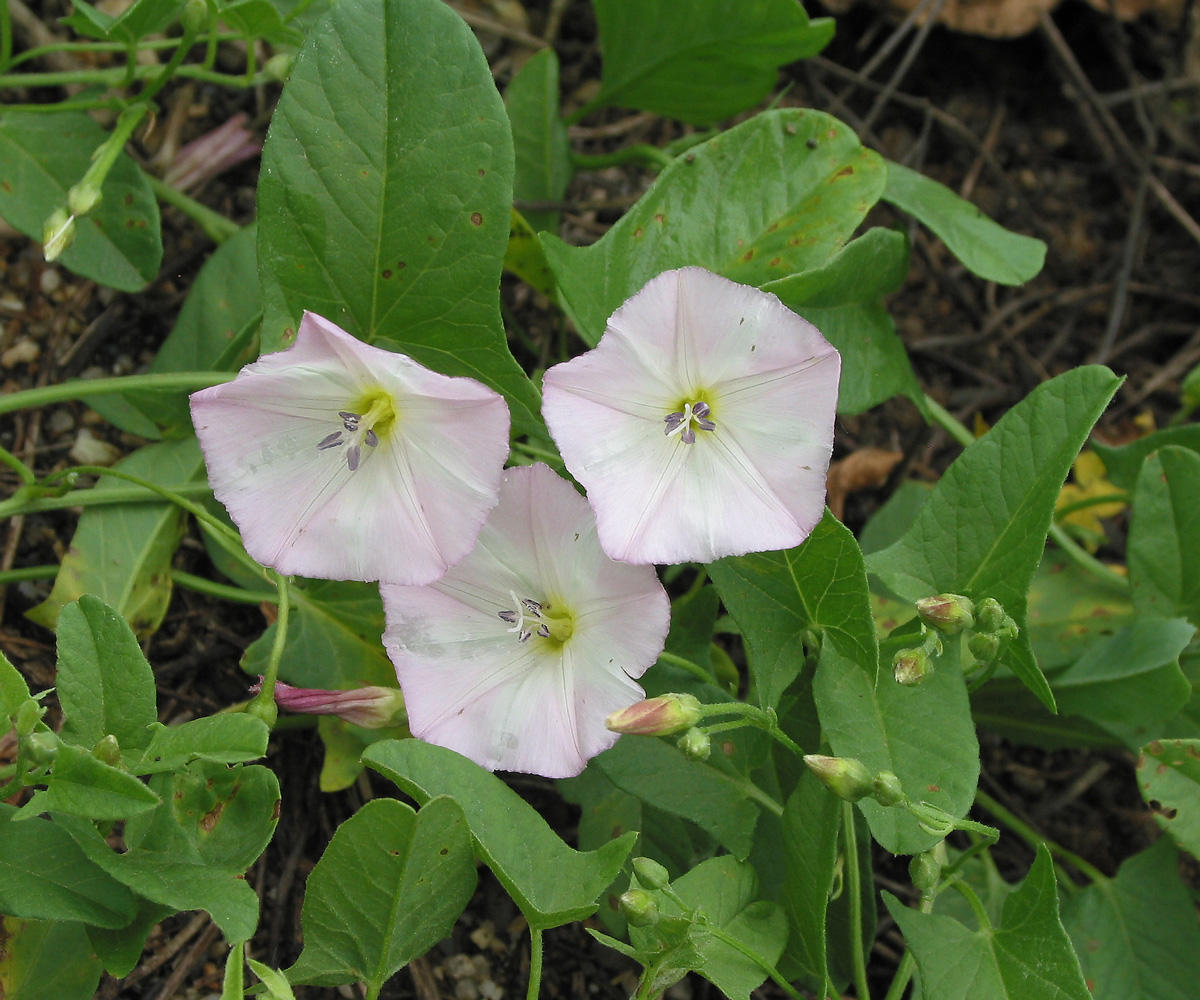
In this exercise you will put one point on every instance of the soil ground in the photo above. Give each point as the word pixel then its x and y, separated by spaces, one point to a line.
pixel 1083 133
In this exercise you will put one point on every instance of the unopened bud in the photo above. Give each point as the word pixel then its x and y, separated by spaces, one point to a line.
pixel 931 819
pixel 695 744
pixel 278 67
pixel 42 747
pixel 911 666
pixel 638 908
pixel 28 716
pixel 58 233
pixel 948 613
pixel 194 16
pixel 369 707
pixel 650 873
pixel 661 716
pixel 989 615
pixel 1189 389
pixel 83 197
pixel 887 789
pixel 108 751
pixel 984 647
pixel 847 778
pixel 925 870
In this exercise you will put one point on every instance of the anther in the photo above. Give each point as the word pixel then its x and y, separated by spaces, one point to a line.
pixel 333 440
pixel 681 422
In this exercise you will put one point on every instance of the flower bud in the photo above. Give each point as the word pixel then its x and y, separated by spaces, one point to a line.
pixel 887 789
pixel 42 747
pixel 695 744
pixel 28 716
pixel 925 870
pixel 931 819
pixel 948 613
pixel 194 16
pixel 368 707
pixel 58 233
pixel 638 908
pixel 911 666
pixel 847 778
pixel 650 873
pixel 108 751
pixel 83 197
pixel 661 716
pixel 989 615
pixel 278 66
pixel 984 647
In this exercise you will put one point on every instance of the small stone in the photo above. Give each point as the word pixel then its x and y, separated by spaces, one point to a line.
pixel 459 966
pixel 483 935
pixel 490 991
pixel 61 422
pixel 10 303
pixel 465 989
pixel 50 281
pixel 91 450
pixel 23 352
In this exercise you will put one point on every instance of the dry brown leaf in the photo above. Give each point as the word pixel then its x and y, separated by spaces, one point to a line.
pixel 863 469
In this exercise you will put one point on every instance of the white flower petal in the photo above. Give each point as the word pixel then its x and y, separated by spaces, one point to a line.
pixel 537 706
pixel 417 499
pixel 757 481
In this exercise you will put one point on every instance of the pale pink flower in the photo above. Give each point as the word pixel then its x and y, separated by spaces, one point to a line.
pixel 347 462
pixel 516 656
pixel 370 707
pixel 701 425
pixel 229 144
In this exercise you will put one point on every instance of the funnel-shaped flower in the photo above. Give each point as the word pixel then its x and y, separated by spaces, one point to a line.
pixel 517 655
pixel 347 462
pixel 702 424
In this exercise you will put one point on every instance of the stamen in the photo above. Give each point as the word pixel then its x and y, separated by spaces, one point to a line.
pixel 361 428
pixel 333 440
pixel 681 422
pixel 508 616
pixel 372 439
pixel 353 456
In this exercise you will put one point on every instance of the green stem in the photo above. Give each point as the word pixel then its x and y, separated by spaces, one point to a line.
pixel 762 963
pixel 946 420
pixel 690 666
pixel 641 152
pixel 535 963
pixel 1034 839
pixel 263 706
pixel 6 38
pixel 223 591
pixel 117 77
pixel 533 451
pixel 28 477
pixel 92 497
pixel 762 798
pixel 148 44
pixel 215 225
pixel 83 388
pixel 27 573
pixel 905 969
pixel 976 904
pixel 854 880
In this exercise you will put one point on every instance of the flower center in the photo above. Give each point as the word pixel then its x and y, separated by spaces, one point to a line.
pixel 535 618
pixel 681 421
pixel 372 418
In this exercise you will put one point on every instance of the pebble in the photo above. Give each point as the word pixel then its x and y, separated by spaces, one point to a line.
pixel 60 422
pixel 50 281
pixel 23 352
pixel 91 450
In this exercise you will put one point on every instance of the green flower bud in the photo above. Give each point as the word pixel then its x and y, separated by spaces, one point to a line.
pixel 847 778
pixel 925 870
pixel 58 233
pixel 194 16
pixel 661 716
pixel 42 747
pixel 28 716
pixel 989 615
pixel 984 647
pixel 108 751
pixel 887 789
pixel 650 873
pixel 911 666
pixel 83 197
pixel 278 67
pixel 695 744
pixel 948 613
pixel 1190 389
pixel 638 907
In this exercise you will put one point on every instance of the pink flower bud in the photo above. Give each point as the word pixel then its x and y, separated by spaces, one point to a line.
pixel 847 778
pixel 369 707
pixel 949 613
pixel 661 716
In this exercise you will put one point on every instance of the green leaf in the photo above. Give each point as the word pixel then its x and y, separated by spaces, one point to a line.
pixel 223 739
pixel 792 186
pixel 81 785
pixel 105 685
pixel 46 960
pixel 14 692
pixel 550 882
pixel 278 988
pixel 1136 934
pixel 982 530
pixel 660 775
pixel 726 891
pixel 924 734
pixel 811 821
pixel 386 191
pixel 543 151
pixel 227 815
pixel 524 257
pixel 390 885
pixel 259 19
pixel 333 638
pixel 1164 536
pixel 1169 775
pixel 1028 957
pixel 1123 464
pixel 41 156
pixel 991 251
pixel 122 553
pixel 139 19
pixel 700 61
pixel 120 949
pixel 45 876
pixel 777 597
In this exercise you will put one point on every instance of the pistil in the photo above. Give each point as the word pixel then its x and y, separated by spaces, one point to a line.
pixel 535 618
pixel 358 429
